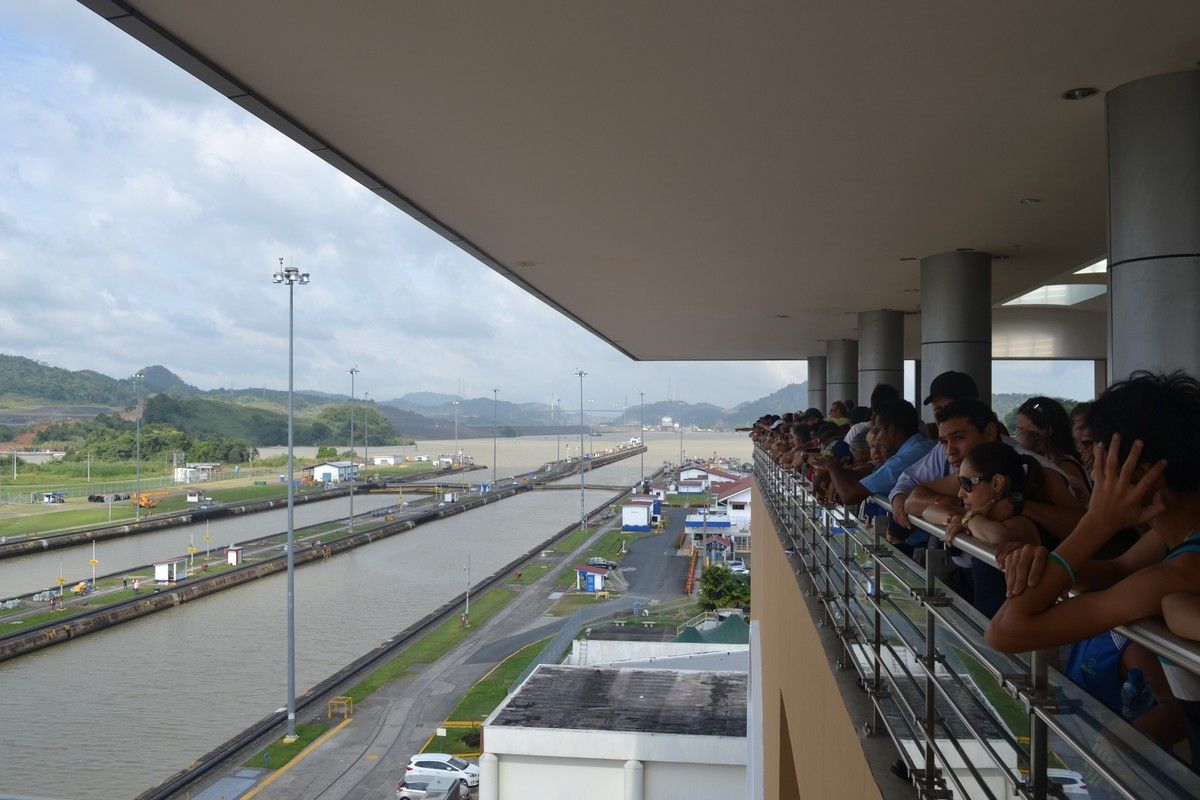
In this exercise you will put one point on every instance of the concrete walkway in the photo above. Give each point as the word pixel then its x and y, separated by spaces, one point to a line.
pixel 367 758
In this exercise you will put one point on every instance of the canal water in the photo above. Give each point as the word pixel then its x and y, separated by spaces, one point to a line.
pixel 113 713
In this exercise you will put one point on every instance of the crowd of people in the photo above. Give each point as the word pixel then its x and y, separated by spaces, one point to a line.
pixel 1093 513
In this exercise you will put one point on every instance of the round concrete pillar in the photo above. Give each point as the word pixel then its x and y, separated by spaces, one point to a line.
pixel 633 780
pixel 489 777
pixel 956 319
pixel 880 351
pixel 1154 224
pixel 816 383
pixel 841 372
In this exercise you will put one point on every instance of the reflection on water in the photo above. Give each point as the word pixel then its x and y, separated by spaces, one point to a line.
pixel 115 712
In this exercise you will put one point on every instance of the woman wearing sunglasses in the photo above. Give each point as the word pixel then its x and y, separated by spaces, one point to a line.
pixel 990 473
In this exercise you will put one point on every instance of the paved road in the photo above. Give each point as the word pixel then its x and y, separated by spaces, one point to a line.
pixel 367 758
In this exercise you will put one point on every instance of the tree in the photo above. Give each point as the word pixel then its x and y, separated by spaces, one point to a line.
pixel 720 588
pixel 327 452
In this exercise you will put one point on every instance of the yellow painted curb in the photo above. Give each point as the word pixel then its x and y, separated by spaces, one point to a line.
pixel 303 754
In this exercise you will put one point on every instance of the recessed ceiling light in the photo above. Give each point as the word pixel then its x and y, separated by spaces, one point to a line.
pixel 782 316
pixel 909 258
pixel 1030 201
pixel 910 291
pixel 1080 93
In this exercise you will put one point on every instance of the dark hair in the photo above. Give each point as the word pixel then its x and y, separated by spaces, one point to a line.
pixel 836 403
pixel 1163 411
pixel 975 411
pixel 1024 472
pixel 825 428
pixel 901 415
pixel 801 431
pixel 1080 411
pixel 882 394
pixel 815 412
pixel 860 414
pixel 1049 414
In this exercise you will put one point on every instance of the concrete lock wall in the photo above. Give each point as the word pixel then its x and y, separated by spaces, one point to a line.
pixel 811 747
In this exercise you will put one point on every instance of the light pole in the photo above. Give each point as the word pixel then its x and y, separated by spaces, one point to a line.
pixel 291 276
pixel 495 424
pixel 456 450
pixel 582 484
pixel 137 403
pixel 89 479
pixel 681 440
pixel 642 433
pixel 353 371
pixel 467 610
pixel 366 441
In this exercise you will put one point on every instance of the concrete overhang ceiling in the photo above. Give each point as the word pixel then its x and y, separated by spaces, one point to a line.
pixel 764 168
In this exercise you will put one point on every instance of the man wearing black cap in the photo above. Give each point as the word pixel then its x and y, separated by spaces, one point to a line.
pixel 950 386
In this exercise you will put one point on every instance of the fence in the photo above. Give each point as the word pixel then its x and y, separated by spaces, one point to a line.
pixel 967 720
pixel 555 649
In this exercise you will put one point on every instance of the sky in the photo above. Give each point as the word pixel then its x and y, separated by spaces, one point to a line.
pixel 142 216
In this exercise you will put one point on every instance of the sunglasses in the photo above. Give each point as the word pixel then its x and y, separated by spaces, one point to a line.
pixel 969 484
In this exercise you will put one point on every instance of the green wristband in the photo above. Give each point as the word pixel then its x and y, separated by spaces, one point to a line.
pixel 1063 562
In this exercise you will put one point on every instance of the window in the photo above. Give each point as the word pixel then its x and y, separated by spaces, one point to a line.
pixel 458 763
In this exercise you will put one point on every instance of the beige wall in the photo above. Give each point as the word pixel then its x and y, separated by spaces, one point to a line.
pixel 816 753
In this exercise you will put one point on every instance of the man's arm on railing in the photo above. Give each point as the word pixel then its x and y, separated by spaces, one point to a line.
pixel 845 482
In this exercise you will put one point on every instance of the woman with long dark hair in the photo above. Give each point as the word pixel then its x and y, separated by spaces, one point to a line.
pixel 990 473
pixel 1044 427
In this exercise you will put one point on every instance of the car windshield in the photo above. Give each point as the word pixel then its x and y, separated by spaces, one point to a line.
pixel 458 763
pixel 420 785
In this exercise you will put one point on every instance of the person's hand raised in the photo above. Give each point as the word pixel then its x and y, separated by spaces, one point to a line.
pixel 1118 501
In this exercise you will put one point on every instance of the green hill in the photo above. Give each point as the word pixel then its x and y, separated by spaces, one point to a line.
pixel 23 380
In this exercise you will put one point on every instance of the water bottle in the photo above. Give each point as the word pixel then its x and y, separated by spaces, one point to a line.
pixel 1136 698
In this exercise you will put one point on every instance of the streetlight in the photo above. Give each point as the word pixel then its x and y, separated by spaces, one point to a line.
pixel 366 443
pixel 466 620
pixel 137 491
pixel 681 404
pixel 582 485
pixel 495 424
pixel 291 276
pixel 353 371
pixel 642 434
pixel 457 452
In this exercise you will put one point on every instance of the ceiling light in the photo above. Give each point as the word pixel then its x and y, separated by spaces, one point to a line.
pixel 1099 268
pixel 782 316
pixel 1059 294
pixel 1080 93
pixel 1030 201
pixel 909 258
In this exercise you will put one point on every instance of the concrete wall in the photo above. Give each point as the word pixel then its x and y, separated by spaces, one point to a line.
pixel 811 747
pixel 604 651
pixel 537 778
pixel 664 781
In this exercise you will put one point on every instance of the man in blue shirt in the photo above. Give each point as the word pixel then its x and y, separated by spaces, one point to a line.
pixel 898 429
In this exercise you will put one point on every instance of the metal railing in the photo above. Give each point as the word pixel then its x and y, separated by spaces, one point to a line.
pixel 968 721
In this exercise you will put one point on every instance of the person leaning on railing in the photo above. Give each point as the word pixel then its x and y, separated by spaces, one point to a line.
pixel 898 431
pixel 1182 614
pixel 1148 474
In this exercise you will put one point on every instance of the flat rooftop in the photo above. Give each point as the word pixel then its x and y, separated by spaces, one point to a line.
pixel 632 700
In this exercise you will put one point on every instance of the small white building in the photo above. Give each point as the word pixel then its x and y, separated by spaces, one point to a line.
pixel 388 461
pixel 335 471
pixel 691 487
pixel 194 495
pixel 658 734
pixel 735 499
pixel 589 578
pixel 170 571
pixel 638 515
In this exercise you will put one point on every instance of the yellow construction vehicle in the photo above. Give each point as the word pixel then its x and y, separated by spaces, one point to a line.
pixel 148 499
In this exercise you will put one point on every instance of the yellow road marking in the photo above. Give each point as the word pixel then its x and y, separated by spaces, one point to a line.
pixel 303 754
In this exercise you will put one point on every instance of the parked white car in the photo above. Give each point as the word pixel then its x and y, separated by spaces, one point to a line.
pixel 1072 783
pixel 431 787
pixel 738 567
pixel 443 764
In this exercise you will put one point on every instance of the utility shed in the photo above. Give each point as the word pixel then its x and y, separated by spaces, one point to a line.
pixel 678 734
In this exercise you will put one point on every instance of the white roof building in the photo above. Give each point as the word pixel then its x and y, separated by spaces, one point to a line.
pixel 644 733
pixel 334 471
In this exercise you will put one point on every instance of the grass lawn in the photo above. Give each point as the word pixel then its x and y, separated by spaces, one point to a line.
pixel 433 645
pixel 684 500
pixel 279 753
pixel 1009 709
pixel 572 541
pixel 529 573
pixel 571 603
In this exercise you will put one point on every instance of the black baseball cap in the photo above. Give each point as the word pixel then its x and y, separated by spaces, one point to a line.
pixel 955 385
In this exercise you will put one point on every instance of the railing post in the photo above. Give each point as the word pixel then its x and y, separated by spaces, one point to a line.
pixel 929 778
pixel 877 632
pixel 847 654
pixel 1039 739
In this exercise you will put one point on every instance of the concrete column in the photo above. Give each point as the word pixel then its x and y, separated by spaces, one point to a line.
pixel 1101 375
pixel 841 372
pixel 1154 224
pixel 489 777
pixel 816 383
pixel 633 780
pixel 880 351
pixel 956 319
pixel 916 401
